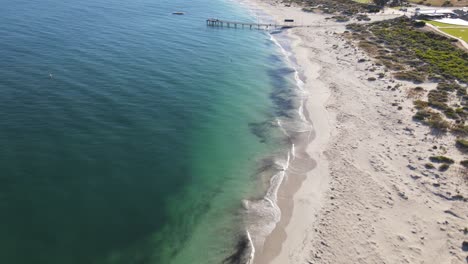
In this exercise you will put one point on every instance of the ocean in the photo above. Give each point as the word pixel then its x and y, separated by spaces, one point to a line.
pixel 131 135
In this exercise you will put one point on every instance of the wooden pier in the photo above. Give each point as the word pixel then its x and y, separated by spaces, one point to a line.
pixel 212 22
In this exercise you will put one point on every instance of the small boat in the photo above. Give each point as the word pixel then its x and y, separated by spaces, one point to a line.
pixel 178 13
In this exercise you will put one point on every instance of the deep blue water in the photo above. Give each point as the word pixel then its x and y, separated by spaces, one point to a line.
pixel 126 132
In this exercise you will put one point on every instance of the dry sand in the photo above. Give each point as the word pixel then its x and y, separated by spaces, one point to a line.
pixel 369 198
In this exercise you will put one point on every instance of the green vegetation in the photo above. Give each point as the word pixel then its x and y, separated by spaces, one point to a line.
pixel 429 166
pixel 439 2
pixel 440 24
pixel 416 93
pixel 461 33
pixel 464 163
pixel 460 129
pixel 447 86
pixel 415 55
pixel 419 24
pixel 432 119
pixel 418 104
pixel 462 144
pixel 344 7
pixel 444 167
pixel 363 1
pixel 441 159
pixel 401 46
pixel 437 122
pixel 453 30
pixel 422 115
pixel 340 18
pixel 412 76
pixel 450 113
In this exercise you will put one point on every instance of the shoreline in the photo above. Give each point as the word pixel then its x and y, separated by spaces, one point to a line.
pixel 361 200
pixel 302 193
pixel 307 174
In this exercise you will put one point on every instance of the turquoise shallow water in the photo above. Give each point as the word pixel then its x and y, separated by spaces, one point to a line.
pixel 130 135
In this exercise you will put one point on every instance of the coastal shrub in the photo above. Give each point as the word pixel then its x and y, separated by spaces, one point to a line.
pixel 436 54
pixel 462 144
pixel 412 76
pixel 308 9
pixel 437 99
pixel 447 86
pixel 438 105
pixel 450 113
pixel 460 129
pixel 418 89
pixel 436 121
pixel 444 167
pixel 419 24
pixel 438 95
pixel 464 163
pixel 361 17
pixel 416 92
pixel 418 104
pixel 421 115
pixel 447 3
pixel 341 18
pixel 389 64
pixel 441 159
pixel 461 91
pixel 346 7
pixel 369 47
pixel 429 166
pixel 462 113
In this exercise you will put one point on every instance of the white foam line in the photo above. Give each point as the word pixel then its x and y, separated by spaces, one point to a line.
pixel 287 55
pixel 293 151
pixel 301 111
pixel 287 162
pixel 270 201
pixel 282 128
pixel 275 183
pixel 252 253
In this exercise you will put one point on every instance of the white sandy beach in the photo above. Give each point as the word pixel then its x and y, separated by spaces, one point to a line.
pixel 369 198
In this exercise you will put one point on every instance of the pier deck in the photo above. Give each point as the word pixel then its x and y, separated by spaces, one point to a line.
pixel 225 23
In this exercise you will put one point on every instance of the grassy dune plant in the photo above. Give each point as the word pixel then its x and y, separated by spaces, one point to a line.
pixel 412 76
pixel 460 129
pixel 422 115
pixel 462 144
pixel 441 159
pixel 437 99
pixel 437 122
pixel 464 163
pixel 345 7
pixel 429 166
pixel 444 167
pixel 438 2
pixel 419 104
